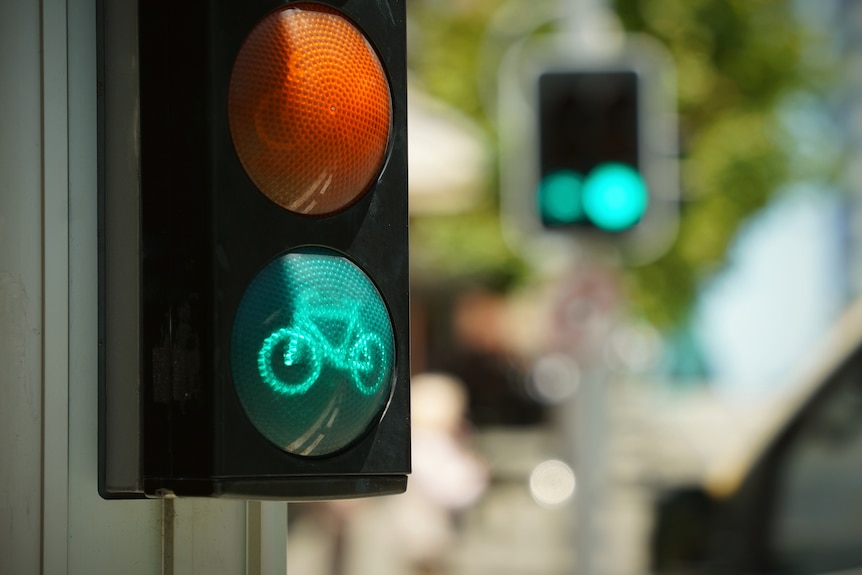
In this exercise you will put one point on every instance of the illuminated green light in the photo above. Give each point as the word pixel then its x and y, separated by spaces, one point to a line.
pixel 289 340
pixel 560 198
pixel 614 197
pixel 312 352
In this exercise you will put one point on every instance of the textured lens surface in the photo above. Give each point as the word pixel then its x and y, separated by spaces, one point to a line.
pixel 309 109
pixel 312 352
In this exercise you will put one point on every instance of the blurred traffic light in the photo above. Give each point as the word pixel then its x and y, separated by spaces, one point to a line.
pixel 270 340
pixel 589 150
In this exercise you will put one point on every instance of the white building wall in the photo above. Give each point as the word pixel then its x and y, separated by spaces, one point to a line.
pixel 21 288
pixel 52 520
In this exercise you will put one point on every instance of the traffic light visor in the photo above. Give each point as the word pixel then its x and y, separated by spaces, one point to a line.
pixel 309 109
pixel 312 352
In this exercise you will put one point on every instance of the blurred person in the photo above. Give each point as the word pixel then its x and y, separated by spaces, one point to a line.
pixel 448 476
pixel 411 534
pixel 319 536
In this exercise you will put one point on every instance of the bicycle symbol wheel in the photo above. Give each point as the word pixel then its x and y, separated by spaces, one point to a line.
pixel 288 362
pixel 367 358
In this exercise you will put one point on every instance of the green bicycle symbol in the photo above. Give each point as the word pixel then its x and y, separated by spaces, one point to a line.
pixel 322 334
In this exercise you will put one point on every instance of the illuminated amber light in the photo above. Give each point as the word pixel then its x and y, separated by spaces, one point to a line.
pixel 309 109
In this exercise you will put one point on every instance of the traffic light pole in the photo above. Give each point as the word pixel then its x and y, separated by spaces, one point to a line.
pixel 588 26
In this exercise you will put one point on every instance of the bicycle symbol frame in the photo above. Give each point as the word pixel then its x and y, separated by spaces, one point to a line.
pixel 304 342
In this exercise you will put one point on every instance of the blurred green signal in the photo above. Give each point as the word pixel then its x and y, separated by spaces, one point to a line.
pixel 613 197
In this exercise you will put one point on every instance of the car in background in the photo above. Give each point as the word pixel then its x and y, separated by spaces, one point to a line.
pixel 792 505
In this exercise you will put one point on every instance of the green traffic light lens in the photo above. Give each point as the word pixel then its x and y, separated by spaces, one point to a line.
pixel 560 198
pixel 615 197
pixel 312 352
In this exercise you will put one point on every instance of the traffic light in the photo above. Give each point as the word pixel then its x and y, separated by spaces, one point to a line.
pixel 588 148
pixel 254 284
pixel 589 143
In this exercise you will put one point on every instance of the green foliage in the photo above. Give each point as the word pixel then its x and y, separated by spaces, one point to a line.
pixel 736 62
pixel 445 39
pixel 464 247
pixel 444 43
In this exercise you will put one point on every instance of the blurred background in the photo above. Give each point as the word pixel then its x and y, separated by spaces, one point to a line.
pixel 559 392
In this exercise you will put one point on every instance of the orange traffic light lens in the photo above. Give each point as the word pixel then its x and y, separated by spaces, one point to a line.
pixel 309 109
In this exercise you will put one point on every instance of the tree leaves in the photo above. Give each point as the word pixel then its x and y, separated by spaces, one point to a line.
pixel 736 60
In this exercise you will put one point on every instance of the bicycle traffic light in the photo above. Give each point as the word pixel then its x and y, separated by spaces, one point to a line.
pixel 254 300
pixel 589 142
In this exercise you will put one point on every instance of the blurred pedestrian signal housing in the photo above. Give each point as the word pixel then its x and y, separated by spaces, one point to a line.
pixel 588 145
pixel 589 165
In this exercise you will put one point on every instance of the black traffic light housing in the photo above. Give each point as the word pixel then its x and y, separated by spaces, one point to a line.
pixel 588 147
pixel 589 124
pixel 182 246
